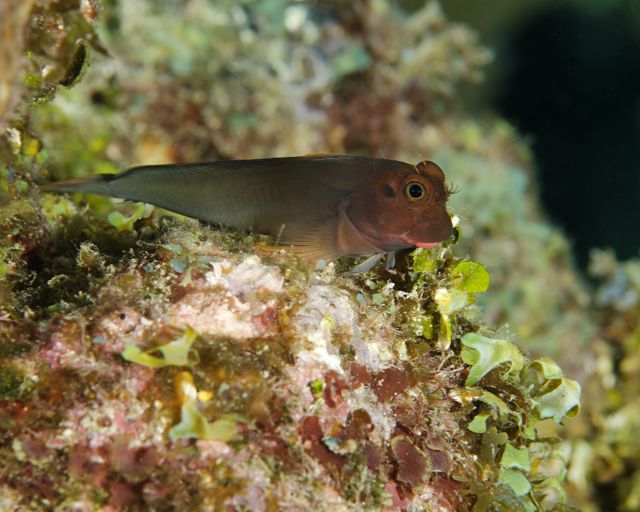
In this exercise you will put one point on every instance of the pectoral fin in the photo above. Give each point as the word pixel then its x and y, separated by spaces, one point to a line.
pixel 313 238
pixel 366 265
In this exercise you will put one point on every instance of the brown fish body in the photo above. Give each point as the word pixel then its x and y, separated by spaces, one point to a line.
pixel 325 206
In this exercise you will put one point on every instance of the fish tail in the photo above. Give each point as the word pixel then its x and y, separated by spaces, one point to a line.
pixel 98 184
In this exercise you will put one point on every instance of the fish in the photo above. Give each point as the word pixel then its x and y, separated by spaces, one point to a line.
pixel 321 206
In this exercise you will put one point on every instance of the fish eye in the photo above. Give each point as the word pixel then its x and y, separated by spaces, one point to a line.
pixel 414 190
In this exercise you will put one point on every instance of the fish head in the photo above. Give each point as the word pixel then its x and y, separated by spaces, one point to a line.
pixel 403 207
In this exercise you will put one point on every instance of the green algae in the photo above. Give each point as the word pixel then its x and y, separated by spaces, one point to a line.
pixel 558 398
pixel 193 424
pixel 486 354
pixel 478 425
pixel 532 391
pixel 510 406
pixel 425 261
pixel 516 481
pixel 500 413
pixel 125 223
pixel 175 353
pixel 316 387
pixel 513 457
pixel 470 277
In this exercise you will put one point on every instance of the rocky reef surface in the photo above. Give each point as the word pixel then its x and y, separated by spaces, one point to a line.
pixel 196 374
pixel 150 362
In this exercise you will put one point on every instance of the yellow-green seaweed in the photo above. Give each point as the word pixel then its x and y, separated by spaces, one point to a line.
pixel 484 354
pixel 175 353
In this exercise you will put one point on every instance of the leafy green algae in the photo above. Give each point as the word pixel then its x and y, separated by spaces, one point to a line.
pixel 486 354
pixel 193 424
pixel 470 277
pixel 532 391
pixel 175 353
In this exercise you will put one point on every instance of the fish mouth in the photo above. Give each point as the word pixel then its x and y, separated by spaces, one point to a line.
pixel 429 235
pixel 427 245
pixel 407 240
pixel 426 235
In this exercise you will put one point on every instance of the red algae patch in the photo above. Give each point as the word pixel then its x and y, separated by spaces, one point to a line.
pixel 389 383
pixel 411 464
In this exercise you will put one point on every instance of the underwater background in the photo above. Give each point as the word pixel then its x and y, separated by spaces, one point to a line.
pixel 148 362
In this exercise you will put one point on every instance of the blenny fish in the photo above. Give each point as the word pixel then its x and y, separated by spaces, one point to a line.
pixel 322 206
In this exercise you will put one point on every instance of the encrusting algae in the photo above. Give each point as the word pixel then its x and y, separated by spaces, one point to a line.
pixel 149 362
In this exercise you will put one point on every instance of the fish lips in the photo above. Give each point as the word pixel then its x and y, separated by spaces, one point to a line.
pixel 427 245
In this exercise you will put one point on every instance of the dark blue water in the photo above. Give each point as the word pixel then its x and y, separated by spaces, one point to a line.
pixel 574 86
